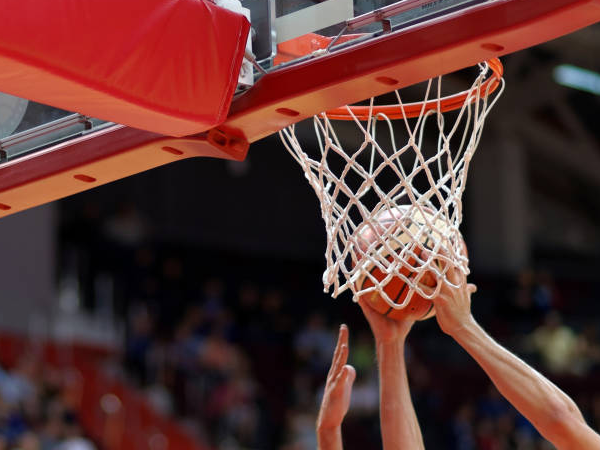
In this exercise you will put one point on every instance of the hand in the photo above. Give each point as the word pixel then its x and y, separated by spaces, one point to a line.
pixel 453 305
pixel 336 397
pixel 384 329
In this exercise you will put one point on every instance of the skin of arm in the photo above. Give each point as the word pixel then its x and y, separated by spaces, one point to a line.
pixel 336 396
pixel 399 426
pixel 549 409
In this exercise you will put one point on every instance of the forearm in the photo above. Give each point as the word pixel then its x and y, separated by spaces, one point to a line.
pixel 399 426
pixel 534 396
pixel 329 439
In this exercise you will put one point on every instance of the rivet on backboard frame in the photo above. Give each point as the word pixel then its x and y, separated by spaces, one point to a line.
pixel 287 112
pixel 387 80
pixel 84 178
pixel 172 150
pixel 4 207
pixel 218 138
pixel 492 47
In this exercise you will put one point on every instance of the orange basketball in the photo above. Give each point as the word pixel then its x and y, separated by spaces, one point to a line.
pixel 418 307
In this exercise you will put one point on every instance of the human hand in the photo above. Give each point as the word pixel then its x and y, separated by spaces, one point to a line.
pixel 338 388
pixel 384 329
pixel 453 305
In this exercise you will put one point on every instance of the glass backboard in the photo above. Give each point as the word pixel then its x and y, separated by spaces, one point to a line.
pixel 27 126
pixel 279 21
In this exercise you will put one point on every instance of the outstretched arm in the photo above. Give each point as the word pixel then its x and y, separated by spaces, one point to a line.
pixel 548 408
pixel 336 397
pixel 399 426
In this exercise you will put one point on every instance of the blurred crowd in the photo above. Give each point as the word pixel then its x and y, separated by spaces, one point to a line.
pixel 36 409
pixel 238 348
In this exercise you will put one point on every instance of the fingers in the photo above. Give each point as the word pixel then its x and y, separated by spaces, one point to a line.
pixel 340 355
pixel 384 328
pixel 340 359
pixel 342 339
pixel 444 293
pixel 427 290
pixel 455 276
pixel 443 261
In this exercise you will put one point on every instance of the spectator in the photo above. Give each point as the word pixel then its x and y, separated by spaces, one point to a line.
pixel 73 437
pixel 15 387
pixel 127 227
pixel 487 435
pixel 140 342
pixel 545 294
pixel 461 428
pixel 493 405
pixel 362 353
pixel 213 297
pixel 557 345
pixel 315 344
pixel 588 349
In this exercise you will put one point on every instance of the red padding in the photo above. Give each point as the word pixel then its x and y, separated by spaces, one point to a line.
pixel 168 66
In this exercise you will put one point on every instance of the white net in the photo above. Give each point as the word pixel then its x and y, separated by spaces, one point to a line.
pixel 391 200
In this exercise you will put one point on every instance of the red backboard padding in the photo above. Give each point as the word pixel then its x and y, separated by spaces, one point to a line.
pixel 168 66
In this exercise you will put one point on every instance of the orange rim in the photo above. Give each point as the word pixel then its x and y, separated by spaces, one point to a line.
pixel 411 110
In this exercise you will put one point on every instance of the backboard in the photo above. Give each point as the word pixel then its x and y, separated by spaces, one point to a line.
pixel 279 21
pixel 382 45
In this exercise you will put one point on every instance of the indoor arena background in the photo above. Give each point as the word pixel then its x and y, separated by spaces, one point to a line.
pixel 184 307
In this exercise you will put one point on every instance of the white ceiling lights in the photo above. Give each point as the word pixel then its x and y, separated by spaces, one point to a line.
pixel 577 78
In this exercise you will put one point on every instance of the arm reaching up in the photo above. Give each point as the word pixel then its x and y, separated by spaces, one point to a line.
pixel 399 426
pixel 336 397
pixel 548 408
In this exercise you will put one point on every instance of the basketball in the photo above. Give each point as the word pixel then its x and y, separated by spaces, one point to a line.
pixel 418 308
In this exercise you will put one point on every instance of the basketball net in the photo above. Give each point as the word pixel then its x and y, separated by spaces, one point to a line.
pixel 396 170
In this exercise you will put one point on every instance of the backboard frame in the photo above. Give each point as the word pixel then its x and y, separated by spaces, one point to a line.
pixel 297 91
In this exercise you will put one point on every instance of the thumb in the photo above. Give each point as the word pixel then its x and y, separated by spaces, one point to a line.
pixel 351 373
pixel 347 376
pixel 471 288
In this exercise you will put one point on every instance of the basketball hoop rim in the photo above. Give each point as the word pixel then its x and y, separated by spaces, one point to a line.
pixel 411 110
